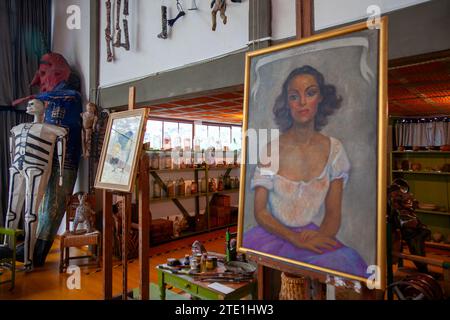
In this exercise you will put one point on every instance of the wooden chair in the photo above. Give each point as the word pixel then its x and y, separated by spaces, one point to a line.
pixel 8 256
pixel 70 239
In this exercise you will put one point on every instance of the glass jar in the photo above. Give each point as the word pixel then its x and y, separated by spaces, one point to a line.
pixel 187 187
pixel 227 182
pixel 154 161
pixel 194 187
pixel 181 187
pixel 171 189
pixel 220 185
pixel 167 144
pixel 236 183
pixel 167 160
pixel 156 190
pixel 212 185
pixel 232 183
pixel 203 185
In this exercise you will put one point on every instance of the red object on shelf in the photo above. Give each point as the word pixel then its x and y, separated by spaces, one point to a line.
pixel 221 200
pixel 161 230
pixel 222 214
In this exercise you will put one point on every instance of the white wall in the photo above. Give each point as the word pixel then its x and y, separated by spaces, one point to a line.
pixel 330 13
pixel 73 44
pixel 283 19
pixel 190 40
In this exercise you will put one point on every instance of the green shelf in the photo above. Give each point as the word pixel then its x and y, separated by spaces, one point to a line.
pixel 422 172
pixel 440 213
pixel 422 152
pixel 167 199
pixel 194 169
pixel 178 170
pixel 426 185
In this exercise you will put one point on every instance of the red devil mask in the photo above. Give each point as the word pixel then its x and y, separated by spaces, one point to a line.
pixel 53 69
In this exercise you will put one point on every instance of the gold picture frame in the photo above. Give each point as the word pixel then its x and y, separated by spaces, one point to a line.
pixel 121 150
pixel 379 169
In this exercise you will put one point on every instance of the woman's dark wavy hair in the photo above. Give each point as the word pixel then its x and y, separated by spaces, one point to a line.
pixel 330 100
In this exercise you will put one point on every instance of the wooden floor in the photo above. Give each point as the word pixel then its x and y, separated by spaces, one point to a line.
pixel 48 284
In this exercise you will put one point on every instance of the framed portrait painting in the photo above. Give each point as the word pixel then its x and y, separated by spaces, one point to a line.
pixel 121 150
pixel 313 182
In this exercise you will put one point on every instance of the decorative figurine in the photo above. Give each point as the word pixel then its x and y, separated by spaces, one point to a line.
pixel 83 214
pixel 89 124
pixel 31 150
pixel 176 228
pixel 216 6
pixel 198 248
pixel 402 215
pixel 184 225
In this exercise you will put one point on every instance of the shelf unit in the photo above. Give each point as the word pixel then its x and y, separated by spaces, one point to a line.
pixel 177 200
pixel 429 185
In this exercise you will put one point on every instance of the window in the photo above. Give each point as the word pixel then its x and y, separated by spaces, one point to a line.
pixel 236 138
pixel 225 137
pixel 154 134
pixel 171 134
pixel 201 137
pixel 185 132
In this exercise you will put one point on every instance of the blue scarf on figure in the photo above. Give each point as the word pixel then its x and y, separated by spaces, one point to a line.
pixel 64 109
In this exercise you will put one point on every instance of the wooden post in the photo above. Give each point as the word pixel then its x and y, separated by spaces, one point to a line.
pixel 304 18
pixel 132 98
pixel 144 228
pixel 107 245
pixel 126 221
pixel 261 282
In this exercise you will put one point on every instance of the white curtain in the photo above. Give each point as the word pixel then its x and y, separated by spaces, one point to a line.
pixel 428 133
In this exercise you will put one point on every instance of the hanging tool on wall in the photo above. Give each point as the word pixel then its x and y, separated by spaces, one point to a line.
pixel 180 14
pixel 118 31
pixel 126 13
pixel 216 6
pixel 108 34
pixel 193 6
pixel 163 34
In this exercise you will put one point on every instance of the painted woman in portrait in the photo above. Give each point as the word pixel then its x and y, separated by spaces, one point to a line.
pixel 313 172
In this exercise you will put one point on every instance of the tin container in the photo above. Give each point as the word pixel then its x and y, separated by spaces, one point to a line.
pixel 211 263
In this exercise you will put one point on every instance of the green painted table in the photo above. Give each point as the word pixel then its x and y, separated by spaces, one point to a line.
pixel 200 289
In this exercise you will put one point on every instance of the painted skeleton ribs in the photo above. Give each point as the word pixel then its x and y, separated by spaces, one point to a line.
pixel 32 147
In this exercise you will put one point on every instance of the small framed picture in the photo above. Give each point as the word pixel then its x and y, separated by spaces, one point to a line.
pixel 313 184
pixel 121 150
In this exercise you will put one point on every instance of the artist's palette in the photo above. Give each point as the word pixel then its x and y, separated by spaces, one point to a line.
pixel 239 267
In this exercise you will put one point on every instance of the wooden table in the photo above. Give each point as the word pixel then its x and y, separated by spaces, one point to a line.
pixel 200 289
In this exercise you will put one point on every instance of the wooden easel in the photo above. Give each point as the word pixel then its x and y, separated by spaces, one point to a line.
pixel 315 278
pixel 144 227
pixel 304 28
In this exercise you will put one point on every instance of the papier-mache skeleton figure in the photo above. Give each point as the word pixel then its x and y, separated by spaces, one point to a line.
pixel 31 148
pixel 90 120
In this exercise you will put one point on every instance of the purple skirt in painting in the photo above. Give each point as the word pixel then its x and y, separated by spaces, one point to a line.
pixel 342 258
